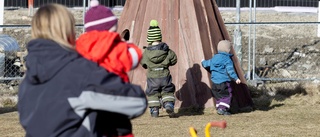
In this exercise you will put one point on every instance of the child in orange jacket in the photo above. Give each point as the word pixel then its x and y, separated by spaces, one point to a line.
pixel 103 45
pixel 100 43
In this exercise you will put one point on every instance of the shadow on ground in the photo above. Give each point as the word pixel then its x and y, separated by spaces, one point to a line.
pixel 190 111
pixel 4 110
pixel 193 94
pixel 263 98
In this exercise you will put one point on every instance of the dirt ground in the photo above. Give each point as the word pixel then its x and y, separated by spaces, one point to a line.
pixel 283 108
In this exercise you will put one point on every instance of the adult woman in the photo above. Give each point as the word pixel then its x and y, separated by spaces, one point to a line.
pixel 64 94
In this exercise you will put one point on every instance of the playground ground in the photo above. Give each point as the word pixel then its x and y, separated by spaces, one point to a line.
pixel 288 113
pixel 281 120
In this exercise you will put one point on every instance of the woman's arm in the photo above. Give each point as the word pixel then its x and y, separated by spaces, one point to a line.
pixel 106 92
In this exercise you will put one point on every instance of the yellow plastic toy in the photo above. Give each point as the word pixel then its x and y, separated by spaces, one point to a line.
pixel 221 124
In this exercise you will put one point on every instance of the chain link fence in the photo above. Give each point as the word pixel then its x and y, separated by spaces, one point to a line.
pixel 282 52
pixel 271 50
pixel 221 3
pixel 269 3
pixel 279 50
pixel 69 3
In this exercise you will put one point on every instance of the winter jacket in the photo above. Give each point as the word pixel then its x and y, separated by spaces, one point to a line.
pixel 221 67
pixel 66 95
pixel 109 51
pixel 157 59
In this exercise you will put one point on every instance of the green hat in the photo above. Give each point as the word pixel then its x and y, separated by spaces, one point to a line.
pixel 154 32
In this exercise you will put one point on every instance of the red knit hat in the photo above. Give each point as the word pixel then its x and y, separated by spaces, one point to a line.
pixel 99 17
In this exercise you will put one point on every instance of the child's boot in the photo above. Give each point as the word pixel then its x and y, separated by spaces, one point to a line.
pixel 169 106
pixel 154 111
pixel 223 111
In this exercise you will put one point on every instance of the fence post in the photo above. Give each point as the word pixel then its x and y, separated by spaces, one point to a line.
pixel 83 13
pixel 249 41
pixel 1 13
pixel 89 3
pixel 237 35
pixel 319 19
pixel 30 7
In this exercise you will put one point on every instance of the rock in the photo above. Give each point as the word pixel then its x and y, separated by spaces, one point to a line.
pixel 307 66
pixel 262 61
pixel 316 81
pixel 299 54
pixel 313 48
pixel 267 49
pixel 17 30
pixel 284 73
pixel 25 18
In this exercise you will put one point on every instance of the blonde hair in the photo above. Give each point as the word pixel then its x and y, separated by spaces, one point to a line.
pixel 54 22
pixel 224 45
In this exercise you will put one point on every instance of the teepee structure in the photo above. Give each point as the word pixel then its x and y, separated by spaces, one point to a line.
pixel 191 28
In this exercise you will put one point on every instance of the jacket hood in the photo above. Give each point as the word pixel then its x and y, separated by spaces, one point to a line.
pixel 157 53
pixel 45 58
pixel 225 53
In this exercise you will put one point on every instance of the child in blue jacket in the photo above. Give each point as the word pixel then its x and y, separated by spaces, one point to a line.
pixel 222 72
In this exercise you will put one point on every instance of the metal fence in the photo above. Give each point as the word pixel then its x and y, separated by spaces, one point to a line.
pixel 269 3
pixel 69 3
pixel 280 52
pixel 221 3
pixel 278 46
pixel 294 58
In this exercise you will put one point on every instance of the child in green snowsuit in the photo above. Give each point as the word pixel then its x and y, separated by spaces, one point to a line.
pixel 157 58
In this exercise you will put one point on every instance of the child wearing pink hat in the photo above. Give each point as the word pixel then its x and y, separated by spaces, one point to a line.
pixel 100 43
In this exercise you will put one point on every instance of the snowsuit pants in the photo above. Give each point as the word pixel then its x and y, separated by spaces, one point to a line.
pixel 122 127
pixel 160 90
pixel 223 94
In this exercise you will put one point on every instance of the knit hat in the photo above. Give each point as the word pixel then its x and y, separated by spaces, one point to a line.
pixel 154 32
pixel 224 46
pixel 99 17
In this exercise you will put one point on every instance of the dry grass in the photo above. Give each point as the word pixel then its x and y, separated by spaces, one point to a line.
pixel 293 111
pixel 9 123
pixel 283 120
pixel 280 121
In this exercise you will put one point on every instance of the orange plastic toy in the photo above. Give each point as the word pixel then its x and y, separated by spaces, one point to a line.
pixel 221 124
